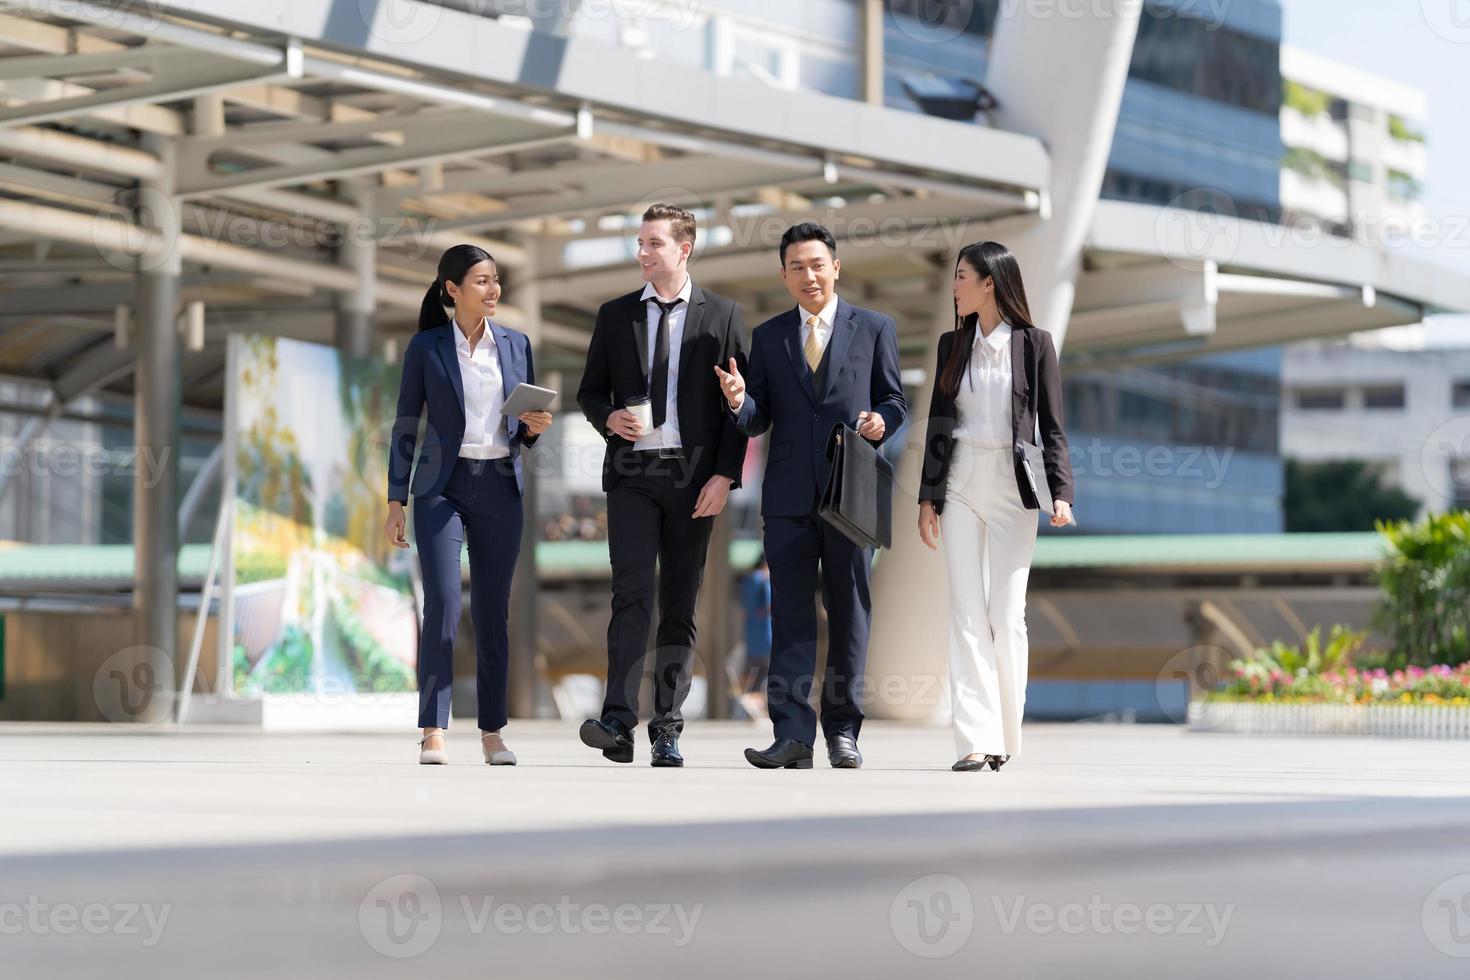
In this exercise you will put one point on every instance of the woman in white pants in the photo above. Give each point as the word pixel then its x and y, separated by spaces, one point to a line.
pixel 995 379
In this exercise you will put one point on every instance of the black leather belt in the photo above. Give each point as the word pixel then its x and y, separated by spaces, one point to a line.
pixel 664 452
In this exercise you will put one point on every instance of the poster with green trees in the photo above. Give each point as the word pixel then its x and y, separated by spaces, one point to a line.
pixel 322 604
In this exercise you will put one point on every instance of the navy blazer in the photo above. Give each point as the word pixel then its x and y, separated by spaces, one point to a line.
pixel 431 377
pixel 862 376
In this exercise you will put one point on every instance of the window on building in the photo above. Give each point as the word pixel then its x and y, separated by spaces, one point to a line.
pixel 1383 396
pixel 1184 51
pixel 1320 398
pixel 1460 483
pixel 1460 394
pixel 1361 171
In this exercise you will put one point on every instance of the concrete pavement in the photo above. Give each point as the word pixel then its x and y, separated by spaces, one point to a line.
pixel 1100 848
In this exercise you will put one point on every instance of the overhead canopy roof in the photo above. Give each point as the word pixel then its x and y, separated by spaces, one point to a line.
pixel 1162 283
pixel 296 124
pixel 293 123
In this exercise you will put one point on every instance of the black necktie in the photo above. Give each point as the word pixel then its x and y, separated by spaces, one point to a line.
pixel 659 385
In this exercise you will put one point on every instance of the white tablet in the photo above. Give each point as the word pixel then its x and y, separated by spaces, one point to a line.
pixel 527 398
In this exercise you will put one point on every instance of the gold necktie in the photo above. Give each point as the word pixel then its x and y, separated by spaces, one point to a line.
pixel 812 349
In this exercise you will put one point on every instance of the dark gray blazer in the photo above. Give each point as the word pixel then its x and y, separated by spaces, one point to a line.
pixel 1036 394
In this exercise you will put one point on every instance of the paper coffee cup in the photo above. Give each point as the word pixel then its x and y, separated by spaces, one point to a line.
pixel 642 410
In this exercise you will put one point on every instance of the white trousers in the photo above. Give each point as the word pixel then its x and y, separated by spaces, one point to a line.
pixel 988 537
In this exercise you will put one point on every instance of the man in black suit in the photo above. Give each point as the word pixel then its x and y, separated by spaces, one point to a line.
pixel 665 484
pixel 821 363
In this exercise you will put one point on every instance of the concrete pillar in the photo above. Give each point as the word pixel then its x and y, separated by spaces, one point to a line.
pixel 716 615
pixel 358 252
pixel 528 696
pixel 870 30
pixel 157 405
pixel 1074 113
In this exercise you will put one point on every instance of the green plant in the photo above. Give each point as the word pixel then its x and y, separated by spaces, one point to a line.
pixel 1399 129
pixel 1425 580
pixel 1341 495
pixel 1310 659
pixel 1306 100
pixel 1335 673
pixel 377 669
pixel 1313 164
pixel 1403 186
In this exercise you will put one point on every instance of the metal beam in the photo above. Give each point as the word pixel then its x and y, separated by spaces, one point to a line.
pixel 80 152
pixel 426 137
pixel 178 73
pixel 586 70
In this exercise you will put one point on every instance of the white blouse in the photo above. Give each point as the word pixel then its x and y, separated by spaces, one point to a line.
pixel 983 403
pixel 484 393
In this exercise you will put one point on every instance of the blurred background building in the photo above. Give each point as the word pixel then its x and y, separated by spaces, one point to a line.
pixel 1205 362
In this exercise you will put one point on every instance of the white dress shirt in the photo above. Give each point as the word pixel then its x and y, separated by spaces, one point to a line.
pixel 665 436
pixel 983 403
pixel 484 394
pixel 826 317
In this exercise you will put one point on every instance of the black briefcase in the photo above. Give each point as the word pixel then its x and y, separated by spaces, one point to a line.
pixel 1029 453
pixel 858 499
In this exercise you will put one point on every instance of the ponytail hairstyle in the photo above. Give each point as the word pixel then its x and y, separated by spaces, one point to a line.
pixel 453 265
pixel 993 260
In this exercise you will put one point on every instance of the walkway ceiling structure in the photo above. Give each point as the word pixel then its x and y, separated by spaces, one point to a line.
pixel 291 130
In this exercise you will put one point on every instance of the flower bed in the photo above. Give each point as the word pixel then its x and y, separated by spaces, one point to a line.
pixel 1382 719
pixel 1258 683
pixel 1414 702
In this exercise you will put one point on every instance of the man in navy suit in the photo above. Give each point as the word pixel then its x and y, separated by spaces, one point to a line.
pixel 819 364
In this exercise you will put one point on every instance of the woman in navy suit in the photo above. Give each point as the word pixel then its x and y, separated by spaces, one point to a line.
pixel 466 486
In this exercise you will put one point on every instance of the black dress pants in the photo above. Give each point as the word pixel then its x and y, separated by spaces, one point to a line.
pixel 649 517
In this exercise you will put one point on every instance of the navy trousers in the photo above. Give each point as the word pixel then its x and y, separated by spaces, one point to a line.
pixel 480 505
pixel 795 548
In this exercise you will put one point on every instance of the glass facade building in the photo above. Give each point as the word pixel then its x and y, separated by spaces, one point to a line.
pixel 1189 447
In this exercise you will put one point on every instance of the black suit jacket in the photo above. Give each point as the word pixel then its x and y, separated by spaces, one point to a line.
pixel 617 369
pixel 1036 394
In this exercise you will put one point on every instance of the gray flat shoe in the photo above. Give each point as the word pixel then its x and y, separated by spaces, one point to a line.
pixel 432 757
pixel 497 757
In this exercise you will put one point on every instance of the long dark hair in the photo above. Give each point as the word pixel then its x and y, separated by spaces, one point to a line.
pixel 453 265
pixel 995 260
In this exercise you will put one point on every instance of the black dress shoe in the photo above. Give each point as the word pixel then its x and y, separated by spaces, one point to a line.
pixel 666 748
pixel 613 737
pixel 842 752
pixel 971 765
pixel 784 753
pixel 996 761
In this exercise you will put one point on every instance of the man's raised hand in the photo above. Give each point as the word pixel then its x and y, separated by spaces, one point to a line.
pixel 732 384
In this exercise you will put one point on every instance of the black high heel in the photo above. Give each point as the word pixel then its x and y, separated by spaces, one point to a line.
pixel 996 761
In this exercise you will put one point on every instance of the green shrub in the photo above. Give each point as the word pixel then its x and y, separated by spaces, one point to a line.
pixel 1425 580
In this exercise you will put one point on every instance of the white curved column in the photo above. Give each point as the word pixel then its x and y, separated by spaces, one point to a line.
pixel 1059 78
